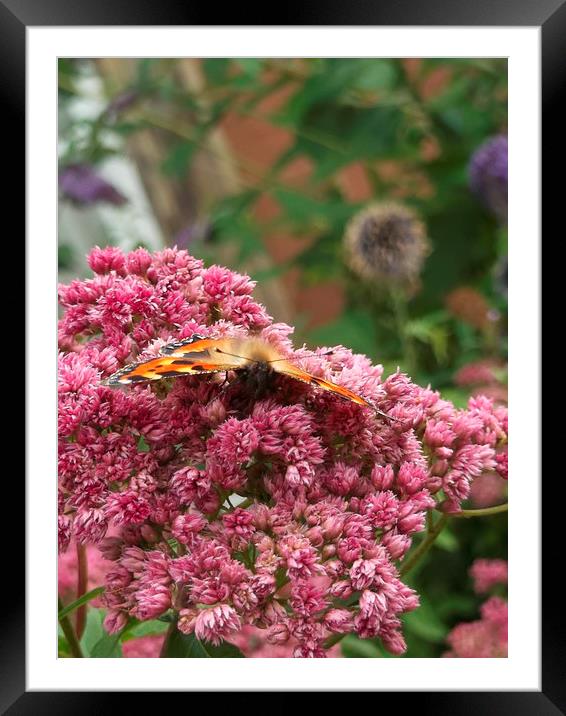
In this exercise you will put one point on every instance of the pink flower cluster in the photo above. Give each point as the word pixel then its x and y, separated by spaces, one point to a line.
pixel 67 576
pixel 484 378
pixel 288 512
pixel 485 637
pixel 486 573
pixel 488 490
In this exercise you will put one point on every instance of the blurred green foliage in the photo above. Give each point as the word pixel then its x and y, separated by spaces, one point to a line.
pixel 425 117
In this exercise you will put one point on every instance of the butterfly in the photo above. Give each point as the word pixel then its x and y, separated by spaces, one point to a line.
pixel 256 359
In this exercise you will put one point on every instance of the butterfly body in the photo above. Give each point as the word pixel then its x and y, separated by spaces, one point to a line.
pixel 256 361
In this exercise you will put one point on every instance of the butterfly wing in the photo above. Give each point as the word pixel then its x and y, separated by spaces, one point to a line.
pixel 289 369
pixel 191 356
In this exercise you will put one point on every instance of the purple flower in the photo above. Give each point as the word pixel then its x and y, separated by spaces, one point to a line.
pixel 488 175
pixel 120 103
pixel 83 186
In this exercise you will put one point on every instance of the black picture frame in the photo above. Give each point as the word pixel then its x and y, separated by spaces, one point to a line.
pixel 550 16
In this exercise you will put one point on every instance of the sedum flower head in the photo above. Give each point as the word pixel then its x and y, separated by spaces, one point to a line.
pixel 486 573
pixel 386 244
pixel 288 513
pixel 486 637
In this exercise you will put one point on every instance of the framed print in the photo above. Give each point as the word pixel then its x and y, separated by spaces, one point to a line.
pixel 285 280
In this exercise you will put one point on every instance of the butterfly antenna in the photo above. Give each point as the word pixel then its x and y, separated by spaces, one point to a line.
pixel 314 355
pixel 235 355
pixel 386 415
pixel 380 412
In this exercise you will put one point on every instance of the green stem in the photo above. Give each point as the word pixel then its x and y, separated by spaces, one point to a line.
pixel 401 315
pixel 424 546
pixel 170 631
pixel 70 635
pixel 82 584
pixel 495 510
pixel 332 640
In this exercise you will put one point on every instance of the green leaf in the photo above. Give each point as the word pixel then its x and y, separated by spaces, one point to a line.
pixel 252 66
pixel 96 642
pixel 177 161
pixel 447 540
pixel 65 256
pixel 187 646
pixel 142 445
pixel 80 601
pixel 354 329
pixel 150 628
pixel 318 214
pixel 356 648
pixel 127 128
pixel 457 605
pixel 502 248
pixel 375 75
pixel 457 396
pixel 63 646
pixel 425 622
pixel 216 69
pixel 107 647
pixel 94 630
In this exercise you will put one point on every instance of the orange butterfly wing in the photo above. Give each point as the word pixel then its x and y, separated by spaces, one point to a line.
pixel 292 370
pixel 191 356
pixel 289 369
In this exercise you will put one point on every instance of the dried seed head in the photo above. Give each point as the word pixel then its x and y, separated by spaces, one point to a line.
pixel 387 243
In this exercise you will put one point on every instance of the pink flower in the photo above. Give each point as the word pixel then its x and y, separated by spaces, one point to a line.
pixel 502 464
pixel 64 533
pixel 372 610
pixel 488 490
pixel 115 621
pixel 186 526
pixel 307 598
pixel 239 523
pixel 151 602
pixel 143 647
pixel 90 525
pixel 382 508
pixel 329 493
pixel 342 478
pixel 486 637
pixel 488 572
pixel 476 640
pixel 128 508
pixel 278 633
pixel 362 573
pixel 215 624
pixel 300 557
pixel 339 621
pixel 108 259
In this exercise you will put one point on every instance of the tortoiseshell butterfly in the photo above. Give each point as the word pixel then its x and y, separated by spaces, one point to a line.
pixel 254 356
